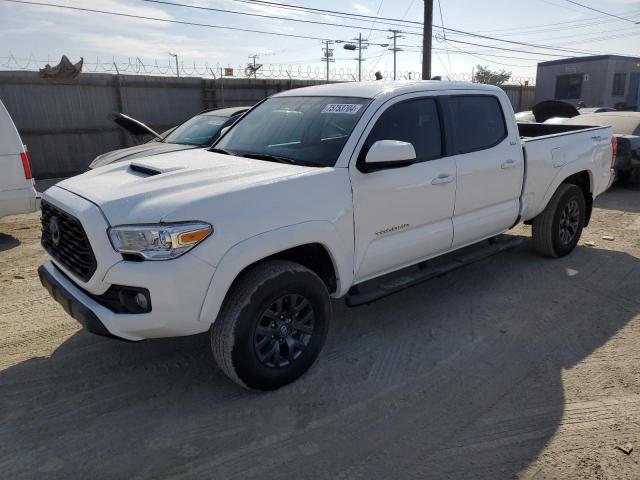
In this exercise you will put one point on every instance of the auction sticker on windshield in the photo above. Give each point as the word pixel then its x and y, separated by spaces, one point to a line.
pixel 349 108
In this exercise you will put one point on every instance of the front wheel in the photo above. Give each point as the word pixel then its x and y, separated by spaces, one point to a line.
pixel 557 229
pixel 272 325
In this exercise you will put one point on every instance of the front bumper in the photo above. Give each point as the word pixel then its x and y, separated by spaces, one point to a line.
pixel 71 303
pixel 177 290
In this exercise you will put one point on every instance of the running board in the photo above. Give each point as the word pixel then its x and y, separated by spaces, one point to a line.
pixel 356 298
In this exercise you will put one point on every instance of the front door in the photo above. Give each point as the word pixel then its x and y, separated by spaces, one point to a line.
pixel 403 215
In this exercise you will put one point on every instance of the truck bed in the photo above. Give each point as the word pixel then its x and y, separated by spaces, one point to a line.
pixel 554 152
pixel 534 130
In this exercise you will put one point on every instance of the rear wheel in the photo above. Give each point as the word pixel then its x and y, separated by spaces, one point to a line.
pixel 272 325
pixel 557 229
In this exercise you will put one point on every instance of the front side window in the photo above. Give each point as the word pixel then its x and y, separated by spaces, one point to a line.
pixel 478 122
pixel 569 87
pixel 619 80
pixel 414 121
pixel 300 130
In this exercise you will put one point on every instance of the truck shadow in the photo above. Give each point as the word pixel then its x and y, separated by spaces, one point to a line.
pixel 619 198
pixel 7 242
pixel 456 378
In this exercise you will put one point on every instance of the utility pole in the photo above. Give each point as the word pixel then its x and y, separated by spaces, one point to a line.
pixel 255 70
pixel 361 45
pixel 426 39
pixel 360 56
pixel 327 55
pixel 175 55
pixel 394 36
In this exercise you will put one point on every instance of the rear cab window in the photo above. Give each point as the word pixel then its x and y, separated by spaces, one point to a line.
pixel 478 121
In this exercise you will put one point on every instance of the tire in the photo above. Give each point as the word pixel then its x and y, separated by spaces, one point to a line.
pixel 272 325
pixel 557 229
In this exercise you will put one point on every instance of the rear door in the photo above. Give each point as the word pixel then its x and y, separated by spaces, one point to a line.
pixel 490 166
pixel 403 215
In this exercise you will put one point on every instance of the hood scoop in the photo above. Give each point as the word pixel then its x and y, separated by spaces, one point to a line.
pixel 151 169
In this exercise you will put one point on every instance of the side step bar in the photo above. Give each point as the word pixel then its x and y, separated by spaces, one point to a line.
pixel 356 298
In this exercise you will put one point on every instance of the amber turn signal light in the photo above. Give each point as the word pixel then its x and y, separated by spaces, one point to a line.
pixel 194 236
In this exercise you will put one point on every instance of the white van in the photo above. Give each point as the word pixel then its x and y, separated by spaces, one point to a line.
pixel 17 190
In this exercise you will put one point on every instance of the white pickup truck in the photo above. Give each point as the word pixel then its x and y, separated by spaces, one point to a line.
pixel 314 192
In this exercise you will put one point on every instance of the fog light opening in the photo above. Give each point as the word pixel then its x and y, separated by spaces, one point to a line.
pixel 142 301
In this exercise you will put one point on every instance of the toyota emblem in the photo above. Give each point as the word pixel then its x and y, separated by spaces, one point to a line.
pixel 54 230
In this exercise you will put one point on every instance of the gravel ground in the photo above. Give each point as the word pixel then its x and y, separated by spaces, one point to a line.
pixel 514 367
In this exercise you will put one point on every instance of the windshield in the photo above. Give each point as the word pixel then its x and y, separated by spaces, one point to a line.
pixel 200 130
pixel 303 130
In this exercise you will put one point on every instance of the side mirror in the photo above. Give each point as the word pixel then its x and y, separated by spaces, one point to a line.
pixel 389 154
pixel 224 130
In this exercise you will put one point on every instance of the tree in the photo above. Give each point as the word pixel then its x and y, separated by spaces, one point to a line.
pixel 485 75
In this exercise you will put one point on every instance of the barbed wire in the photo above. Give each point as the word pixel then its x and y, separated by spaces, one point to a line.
pixel 138 66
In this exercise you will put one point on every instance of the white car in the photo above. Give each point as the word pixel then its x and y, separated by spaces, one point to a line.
pixel 314 192
pixel 17 190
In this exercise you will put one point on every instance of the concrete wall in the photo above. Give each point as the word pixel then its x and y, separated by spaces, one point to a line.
pixel 66 125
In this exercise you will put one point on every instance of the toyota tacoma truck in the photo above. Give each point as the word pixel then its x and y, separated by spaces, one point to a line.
pixel 313 194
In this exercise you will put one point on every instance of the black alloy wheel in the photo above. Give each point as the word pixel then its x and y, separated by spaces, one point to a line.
pixel 284 331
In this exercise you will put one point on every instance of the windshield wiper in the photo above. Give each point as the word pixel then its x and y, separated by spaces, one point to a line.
pixel 223 151
pixel 270 158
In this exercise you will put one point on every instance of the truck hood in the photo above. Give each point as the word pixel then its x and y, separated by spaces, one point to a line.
pixel 144 150
pixel 147 189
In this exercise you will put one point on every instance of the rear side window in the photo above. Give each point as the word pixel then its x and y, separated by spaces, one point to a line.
pixel 414 121
pixel 478 121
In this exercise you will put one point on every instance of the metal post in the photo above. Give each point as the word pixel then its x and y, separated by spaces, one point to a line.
pixel 175 55
pixel 426 39
pixel 255 72
pixel 394 49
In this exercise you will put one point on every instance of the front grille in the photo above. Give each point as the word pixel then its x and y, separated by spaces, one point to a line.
pixel 66 241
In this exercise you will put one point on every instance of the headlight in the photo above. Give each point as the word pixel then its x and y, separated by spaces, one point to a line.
pixel 158 242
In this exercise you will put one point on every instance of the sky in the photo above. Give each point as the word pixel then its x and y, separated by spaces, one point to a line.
pixel 35 34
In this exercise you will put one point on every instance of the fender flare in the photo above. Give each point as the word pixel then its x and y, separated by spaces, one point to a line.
pixel 263 245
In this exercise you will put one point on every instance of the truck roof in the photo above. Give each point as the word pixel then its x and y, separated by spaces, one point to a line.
pixel 376 88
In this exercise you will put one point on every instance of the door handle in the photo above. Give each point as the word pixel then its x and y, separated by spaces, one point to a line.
pixel 509 164
pixel 442 179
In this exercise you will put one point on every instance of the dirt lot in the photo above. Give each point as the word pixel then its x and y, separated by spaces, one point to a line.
pixel 514 367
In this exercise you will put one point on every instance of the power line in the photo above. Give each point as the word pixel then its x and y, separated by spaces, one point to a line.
pixel 275 17
pixel 325 11
pixel 453 30
pixel 374 21
pixel 553 27
pixel 600 11
pixel 444 35
pixel 488 60
pixel 403 17
pixel 179 22
pixel 290 35
pixel 514 42
pixel 493 47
